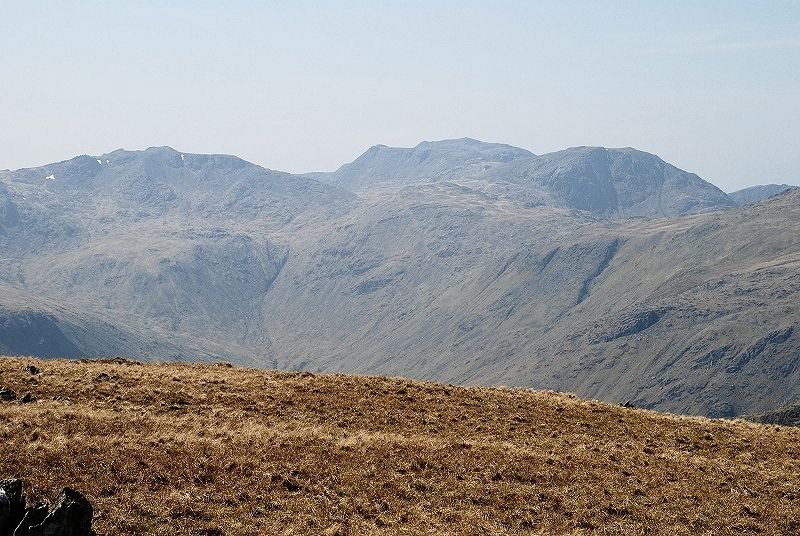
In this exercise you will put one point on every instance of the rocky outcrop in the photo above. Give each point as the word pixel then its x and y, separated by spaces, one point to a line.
pixel 634 323
pixel 69 515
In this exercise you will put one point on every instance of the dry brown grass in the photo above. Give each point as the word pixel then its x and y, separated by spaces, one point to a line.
pixel 189 449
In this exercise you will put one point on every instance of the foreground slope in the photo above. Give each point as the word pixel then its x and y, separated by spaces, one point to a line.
pixel 171 449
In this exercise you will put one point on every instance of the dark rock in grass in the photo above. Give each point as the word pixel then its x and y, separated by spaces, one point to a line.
pixel 5 514
pixel 33 370
pixel 290 485
pixel 34 516
pixel 26 398
pixel 7 395
pixel 12 505
pixel 70 515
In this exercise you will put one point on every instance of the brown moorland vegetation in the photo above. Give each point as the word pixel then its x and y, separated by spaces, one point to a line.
pixel 191 449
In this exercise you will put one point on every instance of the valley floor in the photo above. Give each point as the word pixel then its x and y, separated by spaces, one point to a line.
pixel 191 449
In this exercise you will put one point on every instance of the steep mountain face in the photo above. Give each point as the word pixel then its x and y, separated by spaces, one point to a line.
pixel 690 315
pixel 699 315
pixel 9 216
pixel 753 194
pixel 479 263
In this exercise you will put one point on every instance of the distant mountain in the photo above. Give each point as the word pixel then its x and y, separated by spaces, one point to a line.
pixel 174 245
pixel 478 263
pixel 383 166
pixel 608 182
pixel 756 193
pixel 614 182
pixel 126 186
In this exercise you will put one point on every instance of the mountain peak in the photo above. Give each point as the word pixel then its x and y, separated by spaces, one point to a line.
pixel 452 142
pixel 622 182
pixel 428 161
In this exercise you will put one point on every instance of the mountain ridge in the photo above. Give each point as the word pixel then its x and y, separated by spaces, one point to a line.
pixel 484 275
pixel 758 192
pixel 613 182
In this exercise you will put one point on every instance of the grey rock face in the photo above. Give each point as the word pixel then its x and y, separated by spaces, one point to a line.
pixel 9 215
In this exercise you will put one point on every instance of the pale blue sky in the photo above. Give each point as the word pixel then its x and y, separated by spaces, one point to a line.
pixel 713 87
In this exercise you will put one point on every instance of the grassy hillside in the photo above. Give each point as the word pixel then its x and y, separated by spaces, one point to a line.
pixel 191 449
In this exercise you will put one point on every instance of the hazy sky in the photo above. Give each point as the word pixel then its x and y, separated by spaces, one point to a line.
pixel 713 87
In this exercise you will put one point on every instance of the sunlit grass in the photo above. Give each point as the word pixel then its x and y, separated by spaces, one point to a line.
pixel 189 449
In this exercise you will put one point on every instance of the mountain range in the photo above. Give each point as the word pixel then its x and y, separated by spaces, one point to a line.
pixel 607 272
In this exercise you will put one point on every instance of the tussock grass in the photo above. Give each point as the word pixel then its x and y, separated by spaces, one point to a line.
pixel 191 449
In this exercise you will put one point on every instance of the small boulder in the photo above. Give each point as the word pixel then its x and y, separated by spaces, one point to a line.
pixel 290 485
pixel 12 505
pixel 34 515
pixel 71 515
pixel 7 395
pixel 32 369
pixel 26 398
pixel 5 513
